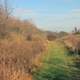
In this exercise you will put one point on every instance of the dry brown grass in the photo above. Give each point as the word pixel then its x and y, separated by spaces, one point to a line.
pixel 18 58
pixel 18 54
pixel 72 42
pixel 9 73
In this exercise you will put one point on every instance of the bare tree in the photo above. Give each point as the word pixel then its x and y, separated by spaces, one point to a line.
pixel 5 12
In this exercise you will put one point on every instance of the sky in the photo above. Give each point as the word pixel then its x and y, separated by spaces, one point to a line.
pixel 53 15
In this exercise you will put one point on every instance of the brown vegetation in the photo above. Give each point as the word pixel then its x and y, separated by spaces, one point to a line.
pixel 72 42
pixel 18 55
pixel 20 45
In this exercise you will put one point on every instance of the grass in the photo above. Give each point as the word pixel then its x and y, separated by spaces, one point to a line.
pixel 36 60
pixel 56 64
pixel 17 58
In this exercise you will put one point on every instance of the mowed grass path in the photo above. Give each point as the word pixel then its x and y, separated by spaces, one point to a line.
pixel 56 64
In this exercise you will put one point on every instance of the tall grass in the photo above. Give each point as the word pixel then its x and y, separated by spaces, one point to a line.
pixel 17 57
pixel 56 64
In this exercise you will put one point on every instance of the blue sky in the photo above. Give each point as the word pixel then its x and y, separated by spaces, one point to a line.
pixel 54 15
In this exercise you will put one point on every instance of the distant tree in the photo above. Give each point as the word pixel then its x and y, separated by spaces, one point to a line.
pixel 51 35
pixel 76 31
pixel 62 33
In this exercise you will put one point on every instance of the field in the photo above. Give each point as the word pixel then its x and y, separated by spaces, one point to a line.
pixel 37 59
pixel 57 64
pixel 29 53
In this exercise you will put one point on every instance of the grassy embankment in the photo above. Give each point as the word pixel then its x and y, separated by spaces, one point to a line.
pixel 56 64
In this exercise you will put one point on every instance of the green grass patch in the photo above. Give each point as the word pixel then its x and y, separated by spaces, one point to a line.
pixel 56 64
